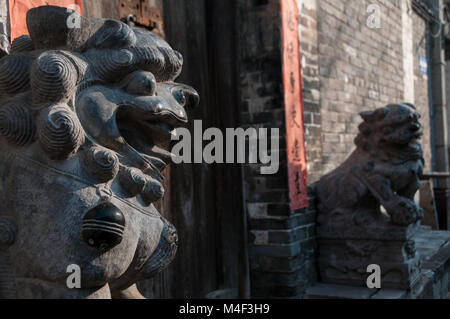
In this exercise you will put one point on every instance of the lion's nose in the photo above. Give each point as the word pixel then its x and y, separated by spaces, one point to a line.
pixel 186 96
pixel 414 127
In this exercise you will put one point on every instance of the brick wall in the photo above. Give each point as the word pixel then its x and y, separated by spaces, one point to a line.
pixel 421 87
pixel 281 241
pixel 448 97
pixel 311 87
pixel 447 57
pixel 359 68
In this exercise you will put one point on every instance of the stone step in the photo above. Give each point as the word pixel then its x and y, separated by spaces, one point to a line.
pixel 331 291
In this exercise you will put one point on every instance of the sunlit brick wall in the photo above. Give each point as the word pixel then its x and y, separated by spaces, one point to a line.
pixel 360 67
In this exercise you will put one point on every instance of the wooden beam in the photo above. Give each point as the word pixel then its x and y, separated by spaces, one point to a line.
pixel 431 175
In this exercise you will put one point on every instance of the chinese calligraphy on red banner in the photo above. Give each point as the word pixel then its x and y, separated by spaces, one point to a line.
pixel 293 99
pixel 18 12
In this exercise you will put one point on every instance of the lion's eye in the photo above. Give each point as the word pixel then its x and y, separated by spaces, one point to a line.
pixel 180 97
pixel 140 83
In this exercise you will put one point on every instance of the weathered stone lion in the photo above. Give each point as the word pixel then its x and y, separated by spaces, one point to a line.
pixel 384 169
pixel 86 115
pixel 353 231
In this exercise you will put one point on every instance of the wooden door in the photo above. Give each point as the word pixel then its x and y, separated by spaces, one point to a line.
pixel 205 200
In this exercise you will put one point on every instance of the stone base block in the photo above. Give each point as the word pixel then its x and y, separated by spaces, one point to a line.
pixel 433 248
pixel 345 260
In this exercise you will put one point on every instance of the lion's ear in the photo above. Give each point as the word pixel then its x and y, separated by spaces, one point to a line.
pixel 381 113
pixel 373 116
pixel 113 34
pixel 368 116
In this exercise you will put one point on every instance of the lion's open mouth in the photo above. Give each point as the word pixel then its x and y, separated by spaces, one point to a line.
pixel 410 137
pixel 151 137
pixel 412 145
pixel 415 138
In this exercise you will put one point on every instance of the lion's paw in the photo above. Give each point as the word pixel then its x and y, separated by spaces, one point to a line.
pixel 405 212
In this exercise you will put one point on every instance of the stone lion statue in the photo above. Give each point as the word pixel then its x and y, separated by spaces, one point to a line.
pixel 384 169
pixel 353 230
pixel 86 115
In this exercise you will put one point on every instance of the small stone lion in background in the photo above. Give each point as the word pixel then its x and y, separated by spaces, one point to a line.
pixel 383 170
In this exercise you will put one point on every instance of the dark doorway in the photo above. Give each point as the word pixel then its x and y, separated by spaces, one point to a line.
pixel 205 201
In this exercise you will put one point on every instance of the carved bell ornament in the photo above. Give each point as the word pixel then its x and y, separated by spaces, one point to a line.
pixel 103 227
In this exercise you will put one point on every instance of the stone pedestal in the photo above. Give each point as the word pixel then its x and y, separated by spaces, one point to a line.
pixel 433 248
pixel 344 255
